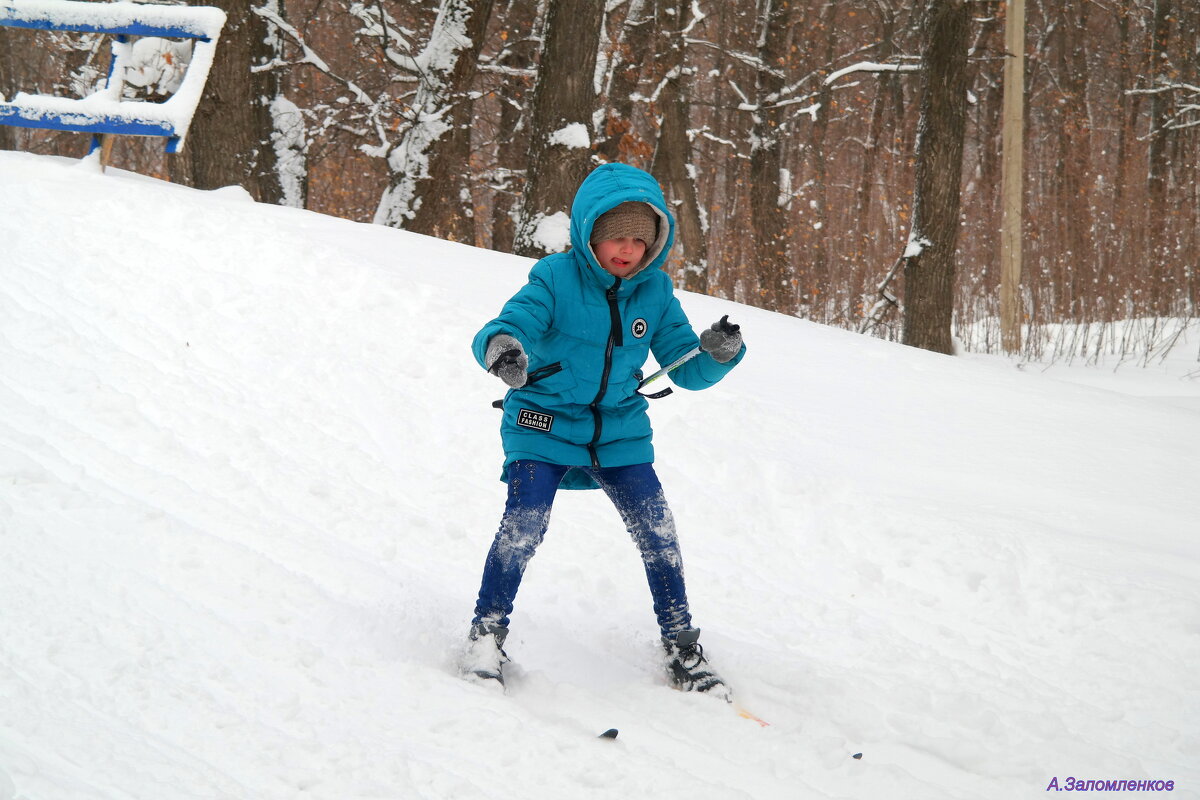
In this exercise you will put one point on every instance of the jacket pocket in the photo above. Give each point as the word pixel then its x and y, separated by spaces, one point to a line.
pixel 556 383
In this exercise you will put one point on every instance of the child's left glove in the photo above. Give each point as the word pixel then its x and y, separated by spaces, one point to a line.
pixel 722 341
pixel 505 358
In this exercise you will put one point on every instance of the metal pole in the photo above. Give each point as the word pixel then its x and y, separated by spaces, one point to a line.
pixel 1012 176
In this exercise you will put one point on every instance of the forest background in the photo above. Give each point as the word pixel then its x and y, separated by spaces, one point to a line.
pixel 785 132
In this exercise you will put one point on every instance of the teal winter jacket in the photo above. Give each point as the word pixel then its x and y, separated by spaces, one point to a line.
pixel 591 333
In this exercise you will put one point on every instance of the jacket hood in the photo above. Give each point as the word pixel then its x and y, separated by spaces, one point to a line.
pixel 605 188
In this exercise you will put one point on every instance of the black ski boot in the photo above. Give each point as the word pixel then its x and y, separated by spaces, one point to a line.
pixel 689 671
pixel 485 658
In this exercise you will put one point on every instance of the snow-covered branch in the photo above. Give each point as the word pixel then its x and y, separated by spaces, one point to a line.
pixel 746 58
pixel 887 299
pixel 511 72
pixel 870 66
pixel 1187 115
pixel 310 56
pixel 697 15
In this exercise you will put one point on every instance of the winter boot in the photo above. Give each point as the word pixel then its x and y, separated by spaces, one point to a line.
pixel 687 668
pixel 485 657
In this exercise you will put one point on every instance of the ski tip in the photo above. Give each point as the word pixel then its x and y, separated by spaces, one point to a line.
pixel 611 733
pixel 744 714
pixel 857 755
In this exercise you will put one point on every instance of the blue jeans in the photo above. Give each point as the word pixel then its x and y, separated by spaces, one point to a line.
pixel 638 496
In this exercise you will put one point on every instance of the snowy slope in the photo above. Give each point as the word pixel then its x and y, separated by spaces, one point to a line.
pixel 248 476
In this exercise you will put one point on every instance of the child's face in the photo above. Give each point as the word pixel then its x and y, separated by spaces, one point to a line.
pixel 620 257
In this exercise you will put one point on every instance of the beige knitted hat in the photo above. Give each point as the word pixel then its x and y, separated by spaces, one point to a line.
pixel 633 219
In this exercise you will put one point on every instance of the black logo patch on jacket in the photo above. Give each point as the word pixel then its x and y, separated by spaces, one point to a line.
pixel 535 420
pixel 639 327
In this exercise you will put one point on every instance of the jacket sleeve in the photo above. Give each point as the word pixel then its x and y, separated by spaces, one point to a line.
pixel 674 338
pixel 526 316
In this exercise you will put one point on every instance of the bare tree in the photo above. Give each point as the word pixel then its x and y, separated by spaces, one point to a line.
pixel 428 190
pixel 930 259
pixel 230 139
pixel 618 140
pixel 516 67
pixel 755 121
pixel 396 100
pixel 769 199
pixel 8 83
pixel 560 150
pixel 1157 165
pixel 873 144
pixel 673 164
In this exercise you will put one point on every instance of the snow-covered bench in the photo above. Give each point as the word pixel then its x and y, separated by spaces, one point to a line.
pixel 104 112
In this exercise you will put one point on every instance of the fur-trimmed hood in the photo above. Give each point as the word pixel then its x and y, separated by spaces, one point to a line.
pixel 605 188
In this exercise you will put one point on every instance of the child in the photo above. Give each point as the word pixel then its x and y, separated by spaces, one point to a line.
pixel 571 344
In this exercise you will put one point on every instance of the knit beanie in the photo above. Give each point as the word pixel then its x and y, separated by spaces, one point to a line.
pixel 633 219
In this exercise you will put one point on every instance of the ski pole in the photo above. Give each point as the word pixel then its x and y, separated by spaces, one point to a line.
pixel 674 365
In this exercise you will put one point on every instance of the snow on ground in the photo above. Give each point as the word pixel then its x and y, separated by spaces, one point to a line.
pixel 248 476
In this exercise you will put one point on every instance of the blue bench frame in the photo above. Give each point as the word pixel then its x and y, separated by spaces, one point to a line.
pixel 169 22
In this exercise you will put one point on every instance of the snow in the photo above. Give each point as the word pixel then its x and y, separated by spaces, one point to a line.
pixel 869 66
pixel 573 136
pixel 915 245
pixel 79 110
pixel 449 36
pixel 552 233
pixel 158 64
pixel 291 149
pixel 248 480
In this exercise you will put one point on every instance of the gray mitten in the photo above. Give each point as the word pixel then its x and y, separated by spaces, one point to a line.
pixel 723 340
pixel 506 359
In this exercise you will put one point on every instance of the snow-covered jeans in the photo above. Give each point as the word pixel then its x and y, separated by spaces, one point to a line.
pixel 639 499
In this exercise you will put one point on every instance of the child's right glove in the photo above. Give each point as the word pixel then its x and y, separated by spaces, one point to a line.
pixel 723 340
pixel 506 359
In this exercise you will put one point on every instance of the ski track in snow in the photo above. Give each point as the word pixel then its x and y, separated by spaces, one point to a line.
pixel 248 479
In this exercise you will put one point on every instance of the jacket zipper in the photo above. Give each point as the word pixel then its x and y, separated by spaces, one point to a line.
pixel 614 340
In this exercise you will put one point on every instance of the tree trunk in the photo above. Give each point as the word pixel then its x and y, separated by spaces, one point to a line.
pixel 1158 165
pixel 618 141
pixel 229 142
pixel 869 171
pixel 8 84
pixel 727 207
pixel 562 109
pixel 775 290
pixel 443 206
pixel 289 132
pixel 815 264
pixel 672 164
pixel 1127 223
pixel 520 17
pixel 929 274
pixel 428 191
pixel 1189 31
pixel 1076 207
